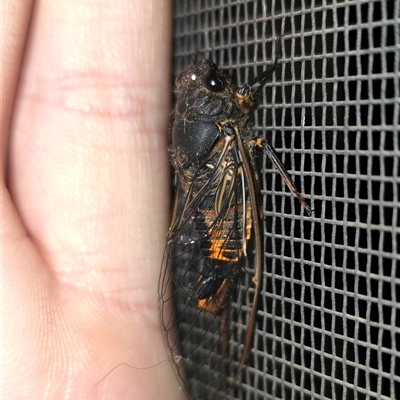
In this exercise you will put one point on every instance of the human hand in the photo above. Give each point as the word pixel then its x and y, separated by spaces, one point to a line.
pixel 85 208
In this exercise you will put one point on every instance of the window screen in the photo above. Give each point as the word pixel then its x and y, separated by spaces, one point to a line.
pixel 328 322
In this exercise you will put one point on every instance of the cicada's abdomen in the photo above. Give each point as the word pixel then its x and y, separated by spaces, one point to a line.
pixel 223 249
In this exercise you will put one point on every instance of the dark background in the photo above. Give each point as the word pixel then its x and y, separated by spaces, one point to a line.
pixel 329 315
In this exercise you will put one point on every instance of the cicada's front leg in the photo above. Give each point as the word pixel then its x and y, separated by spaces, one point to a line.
pixel 262 143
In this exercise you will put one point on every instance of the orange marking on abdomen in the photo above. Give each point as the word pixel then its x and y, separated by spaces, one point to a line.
pixel 226 234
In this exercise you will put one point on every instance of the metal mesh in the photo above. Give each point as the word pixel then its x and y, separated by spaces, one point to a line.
pixel 329 316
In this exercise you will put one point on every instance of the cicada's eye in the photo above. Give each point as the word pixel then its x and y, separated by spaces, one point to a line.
pixel 214 82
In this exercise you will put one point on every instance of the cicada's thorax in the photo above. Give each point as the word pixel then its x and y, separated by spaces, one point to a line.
pixel 206 97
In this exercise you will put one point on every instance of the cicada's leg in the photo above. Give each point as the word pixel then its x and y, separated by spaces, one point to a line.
pixel 246 93
pixel 250 169
pixel 225 332
pixel 262 143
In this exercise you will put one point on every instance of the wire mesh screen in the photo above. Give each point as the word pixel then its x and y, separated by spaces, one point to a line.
pixel 328 322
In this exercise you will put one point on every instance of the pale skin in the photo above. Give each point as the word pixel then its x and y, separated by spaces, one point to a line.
pixel 85 198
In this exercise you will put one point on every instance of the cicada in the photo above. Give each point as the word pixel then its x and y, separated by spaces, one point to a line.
pixel 214 240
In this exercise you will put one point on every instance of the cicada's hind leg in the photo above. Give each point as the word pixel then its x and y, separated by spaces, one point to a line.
pixel 262 143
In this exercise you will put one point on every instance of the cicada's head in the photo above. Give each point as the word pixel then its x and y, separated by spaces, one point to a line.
pixel 204 98
pixel 203 92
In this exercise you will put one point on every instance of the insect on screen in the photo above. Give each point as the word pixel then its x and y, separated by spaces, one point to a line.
pixel 328 317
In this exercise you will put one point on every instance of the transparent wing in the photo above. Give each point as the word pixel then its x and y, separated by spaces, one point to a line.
pixel 203 312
